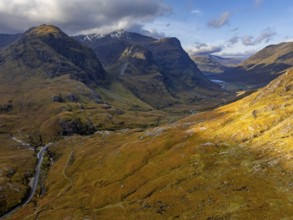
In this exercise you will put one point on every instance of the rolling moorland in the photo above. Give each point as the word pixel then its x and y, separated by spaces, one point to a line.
pixel 119 150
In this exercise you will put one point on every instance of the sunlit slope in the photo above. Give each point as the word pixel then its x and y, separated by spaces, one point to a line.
pixel 234 162
pixel 262 67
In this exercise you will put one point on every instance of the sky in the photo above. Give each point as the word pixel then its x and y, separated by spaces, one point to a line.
pixel 220 27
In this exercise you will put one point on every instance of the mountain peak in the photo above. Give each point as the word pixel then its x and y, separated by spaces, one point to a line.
pixel 170 40
pixel 45 30
pixel 120 34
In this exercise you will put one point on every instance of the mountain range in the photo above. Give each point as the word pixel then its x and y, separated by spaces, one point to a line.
pixel 139 132
pixel 146 65
pixel 51 86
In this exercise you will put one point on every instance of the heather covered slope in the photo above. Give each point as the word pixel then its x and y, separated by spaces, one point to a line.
pixel 262 67
pixel 234 162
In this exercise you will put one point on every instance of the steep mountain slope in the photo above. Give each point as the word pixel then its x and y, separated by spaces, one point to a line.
pixel 262 67
pixel 178 78
pixel 234 162
pixel 139 72
pixel 46 56
pixel 181 72
pixel 6 39
pixel 108 48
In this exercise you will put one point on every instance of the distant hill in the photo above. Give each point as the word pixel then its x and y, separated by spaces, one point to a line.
pixel 6 39
pixel 262 67
pixel 211 64
pixel 228 61
pixel 208 65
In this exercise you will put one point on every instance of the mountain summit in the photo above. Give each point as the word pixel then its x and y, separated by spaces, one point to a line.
pixel 54 51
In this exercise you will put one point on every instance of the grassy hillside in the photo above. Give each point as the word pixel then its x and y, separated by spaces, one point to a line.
pixel 16 166
pixel 261 68
pixel 234 162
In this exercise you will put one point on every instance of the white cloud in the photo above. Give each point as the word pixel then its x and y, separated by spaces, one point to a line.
pixel 197 12
pixel 222 20
pixel 79 15
pixel 265 36
pixel 204 49
pixel 241 55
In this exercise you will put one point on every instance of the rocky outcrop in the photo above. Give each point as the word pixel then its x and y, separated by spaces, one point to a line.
pixel 76 126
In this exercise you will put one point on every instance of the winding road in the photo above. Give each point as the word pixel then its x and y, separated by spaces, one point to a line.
pixel 40 157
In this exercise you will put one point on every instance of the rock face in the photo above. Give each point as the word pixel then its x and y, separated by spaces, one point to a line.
pixel 160 69
pixel 181 72
pixel 262 67
pixel 76 126
pixel 5 107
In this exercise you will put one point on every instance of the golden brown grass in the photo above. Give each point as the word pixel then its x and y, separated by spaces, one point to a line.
pixel 234 162
pixel 16 165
